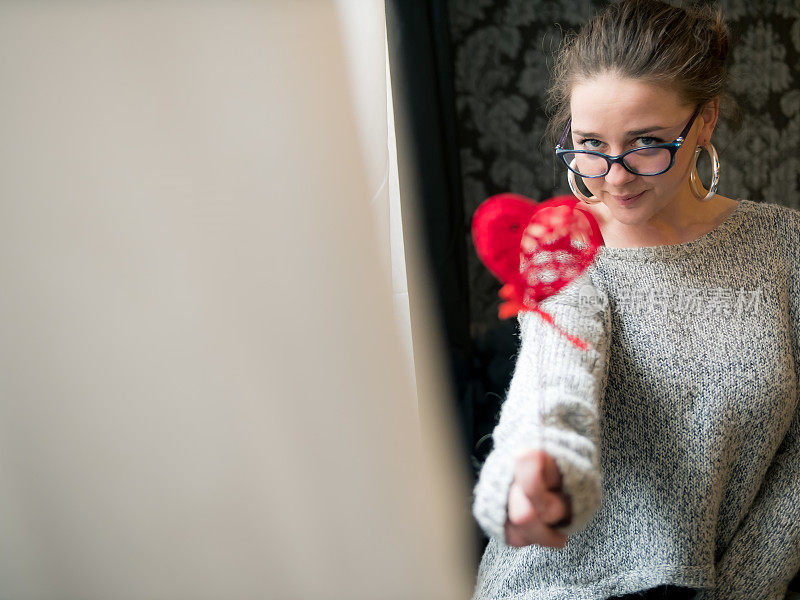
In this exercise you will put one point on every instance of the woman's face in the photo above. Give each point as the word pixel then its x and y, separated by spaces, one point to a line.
pixel 611 115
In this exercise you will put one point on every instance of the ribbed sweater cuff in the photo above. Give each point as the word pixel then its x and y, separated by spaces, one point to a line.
pixel 581 482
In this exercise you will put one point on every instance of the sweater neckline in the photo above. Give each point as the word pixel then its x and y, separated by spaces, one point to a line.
pixel 668 251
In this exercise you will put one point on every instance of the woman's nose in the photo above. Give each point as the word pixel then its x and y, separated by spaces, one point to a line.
pixel 618 175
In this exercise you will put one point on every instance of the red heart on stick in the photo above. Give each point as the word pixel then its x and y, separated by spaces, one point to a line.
pixel 534 249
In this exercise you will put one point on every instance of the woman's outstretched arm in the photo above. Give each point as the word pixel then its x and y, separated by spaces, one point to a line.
pixel 552 404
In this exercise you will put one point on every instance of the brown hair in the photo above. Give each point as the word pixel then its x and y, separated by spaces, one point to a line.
pixel 684 49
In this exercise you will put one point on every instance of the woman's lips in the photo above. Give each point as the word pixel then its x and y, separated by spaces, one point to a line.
pixel 627 199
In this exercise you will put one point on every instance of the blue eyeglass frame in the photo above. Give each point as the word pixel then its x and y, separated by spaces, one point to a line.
pixel 610 160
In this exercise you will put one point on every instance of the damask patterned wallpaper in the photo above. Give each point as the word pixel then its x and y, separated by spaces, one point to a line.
pixel 503 50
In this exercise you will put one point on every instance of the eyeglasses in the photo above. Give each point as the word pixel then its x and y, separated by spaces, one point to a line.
pixel 645 160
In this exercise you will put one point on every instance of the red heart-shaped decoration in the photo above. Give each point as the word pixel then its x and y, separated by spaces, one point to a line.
pixel 535 249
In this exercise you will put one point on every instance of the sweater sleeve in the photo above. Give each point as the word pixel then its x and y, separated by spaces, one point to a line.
pixel 552 404
pixel 764 553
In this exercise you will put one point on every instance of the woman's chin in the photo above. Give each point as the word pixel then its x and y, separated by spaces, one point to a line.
pixel 629 215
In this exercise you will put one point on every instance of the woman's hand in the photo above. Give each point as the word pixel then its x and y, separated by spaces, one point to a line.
pixel 536 502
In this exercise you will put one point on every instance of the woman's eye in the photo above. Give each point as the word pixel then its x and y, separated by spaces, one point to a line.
pixel 648 141
pixel 590 143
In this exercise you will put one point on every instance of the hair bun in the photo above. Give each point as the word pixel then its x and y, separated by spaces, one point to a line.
pixel 723 44
pixel 709 25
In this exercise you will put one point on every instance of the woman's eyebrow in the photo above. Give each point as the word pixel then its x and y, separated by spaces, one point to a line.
pixel 629 133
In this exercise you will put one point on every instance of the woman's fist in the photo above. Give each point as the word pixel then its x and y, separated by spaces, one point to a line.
pixel 536 502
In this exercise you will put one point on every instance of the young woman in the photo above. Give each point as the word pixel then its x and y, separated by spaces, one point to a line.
pixel 664 462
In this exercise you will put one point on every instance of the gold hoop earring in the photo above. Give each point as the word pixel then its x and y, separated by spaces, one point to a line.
pixel 573 185
pixel 694 179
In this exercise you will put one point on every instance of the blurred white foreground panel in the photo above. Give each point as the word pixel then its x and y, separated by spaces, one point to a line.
pixel 202 389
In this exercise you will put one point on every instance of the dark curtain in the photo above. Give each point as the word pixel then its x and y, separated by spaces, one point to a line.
pixel 422 80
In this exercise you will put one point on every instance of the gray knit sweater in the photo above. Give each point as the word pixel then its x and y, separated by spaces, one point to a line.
pixel 677 434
